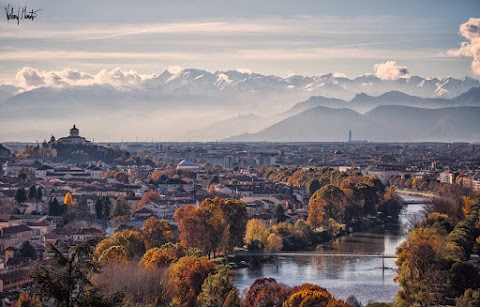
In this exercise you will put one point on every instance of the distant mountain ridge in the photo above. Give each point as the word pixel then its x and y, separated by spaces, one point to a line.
pixel 383 123
pixel 363 102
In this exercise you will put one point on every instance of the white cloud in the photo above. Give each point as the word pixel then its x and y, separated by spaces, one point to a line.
pixel 291 73
pixel 390 70
pixel 244 70
pixel 471 48
pixel 29 78
pixel 339 75
pixel 174 69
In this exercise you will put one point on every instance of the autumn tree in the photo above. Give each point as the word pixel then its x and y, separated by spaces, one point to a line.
pixel 256 234
pixel 316 211
pixel 204 227
pixel 128 243
pixel 235 213
pixel 266 292
pixel 187 276
pixel 148 197
pixel 274 243
pixel 216 288
pixel 419 268
pixel 156 232
pixel 312 295
pixel 68 199
pixel 158 257
pixel 26 300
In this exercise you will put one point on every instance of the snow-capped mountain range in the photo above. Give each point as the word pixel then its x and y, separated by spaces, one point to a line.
pixel 193 104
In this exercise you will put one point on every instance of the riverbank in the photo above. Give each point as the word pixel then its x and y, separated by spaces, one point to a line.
pixel 415 193
pixel 351 272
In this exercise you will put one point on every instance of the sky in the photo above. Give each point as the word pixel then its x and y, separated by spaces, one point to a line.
pixel 270 37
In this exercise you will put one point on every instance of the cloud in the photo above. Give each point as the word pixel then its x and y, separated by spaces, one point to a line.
pixel 339 75
pixel 390 70
pixel 29 78
pixel 471 48
pixel 244 70
pixel 174 69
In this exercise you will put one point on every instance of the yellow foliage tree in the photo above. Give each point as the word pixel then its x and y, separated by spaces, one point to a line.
pixel 26 300
pixel 158 257
pixel 274 243
pixel 255 232
pixel 68 199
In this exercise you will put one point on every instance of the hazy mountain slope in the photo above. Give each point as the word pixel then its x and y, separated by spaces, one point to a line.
pixel 231 126
pixel 384 123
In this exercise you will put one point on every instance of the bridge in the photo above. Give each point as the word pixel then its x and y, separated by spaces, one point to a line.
pixel 293 254
pixel 417 202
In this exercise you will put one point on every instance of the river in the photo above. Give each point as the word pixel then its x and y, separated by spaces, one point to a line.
pixel 348 274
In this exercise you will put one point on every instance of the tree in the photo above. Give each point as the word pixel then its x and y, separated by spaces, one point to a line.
pixel 26 300
pixel 256 235
pixel 463 275
pixel 27 250
pixel 233 299
pixel 236 216
pixel 156 232
pixel 99 209
pixel 130 240
pixel 187 276
pixel 148 197
pixel 120 207
pixel 280 213
pixel 471 298
pixel 419 268
pixel 158 257
pixel 39 195
pixel 68 199
pixel 266 292
pixel 274 243
pixel 66 281
pixel 334 202
pixel 32 192
pixel 204 228
pixel 215 289
pixel 20 195
pixel 311 295
pixel 316 211
pixel 54 208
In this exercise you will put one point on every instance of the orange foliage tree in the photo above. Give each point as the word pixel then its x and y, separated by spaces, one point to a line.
pixel 147 197
pixel 187 276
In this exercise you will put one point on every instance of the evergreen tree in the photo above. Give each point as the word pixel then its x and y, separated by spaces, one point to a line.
pixel 32 192
pixel 39 195
pixel 54 207
pixel 20 195
pixel 106 207
pixel 99 205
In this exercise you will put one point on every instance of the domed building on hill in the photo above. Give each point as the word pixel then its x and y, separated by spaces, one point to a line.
pixel 74 138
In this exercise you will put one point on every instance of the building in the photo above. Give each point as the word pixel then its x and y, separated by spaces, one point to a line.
pixel 74 138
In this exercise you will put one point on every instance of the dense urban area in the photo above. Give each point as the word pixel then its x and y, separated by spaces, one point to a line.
pixel 166 224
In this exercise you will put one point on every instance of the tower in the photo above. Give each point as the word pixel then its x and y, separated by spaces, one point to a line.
pixel 74 132
pixel 349 135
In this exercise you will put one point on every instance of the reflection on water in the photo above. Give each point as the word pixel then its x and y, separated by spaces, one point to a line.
pixel 342 276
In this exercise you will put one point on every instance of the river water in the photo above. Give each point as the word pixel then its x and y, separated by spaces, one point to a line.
pixel 351 274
